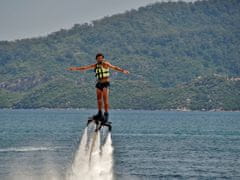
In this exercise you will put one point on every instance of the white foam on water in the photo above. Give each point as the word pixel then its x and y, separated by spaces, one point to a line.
pixel 24 167
pixel 26 149
pixel 93 160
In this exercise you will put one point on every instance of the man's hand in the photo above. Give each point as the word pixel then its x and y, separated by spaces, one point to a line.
pixel 125 72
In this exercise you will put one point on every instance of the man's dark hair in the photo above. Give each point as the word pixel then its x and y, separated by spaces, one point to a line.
pixel 99 54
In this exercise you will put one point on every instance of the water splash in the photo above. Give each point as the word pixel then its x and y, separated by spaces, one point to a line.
pixel 94 158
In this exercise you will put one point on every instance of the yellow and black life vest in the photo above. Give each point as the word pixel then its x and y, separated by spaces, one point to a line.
pixel 101 72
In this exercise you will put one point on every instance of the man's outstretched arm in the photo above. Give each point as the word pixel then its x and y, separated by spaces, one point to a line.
pixel 82 68
pixel 117 68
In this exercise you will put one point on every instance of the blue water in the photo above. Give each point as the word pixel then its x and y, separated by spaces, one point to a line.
pixel 40 144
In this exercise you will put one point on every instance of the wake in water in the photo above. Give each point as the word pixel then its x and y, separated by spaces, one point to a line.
pixel 94 157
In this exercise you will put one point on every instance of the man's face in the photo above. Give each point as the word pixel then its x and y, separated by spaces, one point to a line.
pixel 99 59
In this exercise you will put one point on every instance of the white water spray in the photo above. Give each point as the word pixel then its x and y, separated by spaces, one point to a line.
pixel 93 160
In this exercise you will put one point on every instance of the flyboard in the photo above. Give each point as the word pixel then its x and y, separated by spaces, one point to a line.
pixel 99 124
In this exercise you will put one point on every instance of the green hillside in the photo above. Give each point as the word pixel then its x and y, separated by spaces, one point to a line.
pixel 165 46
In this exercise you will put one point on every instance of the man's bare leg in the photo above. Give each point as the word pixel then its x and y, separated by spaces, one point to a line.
pixel 99 103
pixel 99 99
pixel 106 99
pixel 106 102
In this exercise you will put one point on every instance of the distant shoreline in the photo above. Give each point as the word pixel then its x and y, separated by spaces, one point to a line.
pixel 90 109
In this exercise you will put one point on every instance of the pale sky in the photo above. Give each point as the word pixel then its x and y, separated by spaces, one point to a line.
pixel 33 18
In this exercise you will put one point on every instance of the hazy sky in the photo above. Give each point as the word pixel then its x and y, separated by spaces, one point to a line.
pixel 33 18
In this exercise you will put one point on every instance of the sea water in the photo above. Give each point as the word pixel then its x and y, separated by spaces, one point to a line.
pixel 43 144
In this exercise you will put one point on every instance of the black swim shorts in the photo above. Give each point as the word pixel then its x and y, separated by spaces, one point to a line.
pixel 100 85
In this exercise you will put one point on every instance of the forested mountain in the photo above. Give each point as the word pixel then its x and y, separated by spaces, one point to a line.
pixel 180 55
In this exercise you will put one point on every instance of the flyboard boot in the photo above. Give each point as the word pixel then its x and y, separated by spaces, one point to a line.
pixel 100 120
